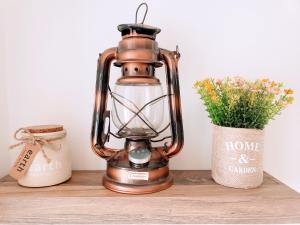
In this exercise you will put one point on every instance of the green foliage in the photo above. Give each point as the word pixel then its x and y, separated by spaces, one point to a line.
pixel 235 102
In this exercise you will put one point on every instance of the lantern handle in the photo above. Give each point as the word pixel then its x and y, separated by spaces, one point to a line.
pixel 137 10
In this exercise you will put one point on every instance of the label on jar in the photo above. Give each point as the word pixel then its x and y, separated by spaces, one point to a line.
pixel 38 169
pixel 24 160
pixel 132 175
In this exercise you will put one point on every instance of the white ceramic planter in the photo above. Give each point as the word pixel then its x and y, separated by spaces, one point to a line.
pixel 237 159
pixel 41 173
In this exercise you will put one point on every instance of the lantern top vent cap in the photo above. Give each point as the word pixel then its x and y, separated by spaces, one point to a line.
pixel 136 28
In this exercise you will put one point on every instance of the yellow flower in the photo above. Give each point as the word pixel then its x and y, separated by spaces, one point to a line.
pixel 197 84
pixel 273 84
pixel 207 85
pixel 233 99
pixel 265 80
pixel 214 98
pixel 288 91
pixel 290 100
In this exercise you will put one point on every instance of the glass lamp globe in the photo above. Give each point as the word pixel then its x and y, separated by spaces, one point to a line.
pixel 138 110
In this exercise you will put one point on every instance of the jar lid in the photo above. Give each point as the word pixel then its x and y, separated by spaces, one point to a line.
pixel 44 128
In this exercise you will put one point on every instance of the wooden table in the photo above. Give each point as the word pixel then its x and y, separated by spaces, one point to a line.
pixel 194 198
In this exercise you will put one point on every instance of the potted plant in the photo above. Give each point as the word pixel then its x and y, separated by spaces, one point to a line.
pixel 239 110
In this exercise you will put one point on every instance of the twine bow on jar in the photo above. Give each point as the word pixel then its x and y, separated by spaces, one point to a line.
pixel 26 137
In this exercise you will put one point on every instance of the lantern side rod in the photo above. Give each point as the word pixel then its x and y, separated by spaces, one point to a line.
pixel 98 136
pixel 170 58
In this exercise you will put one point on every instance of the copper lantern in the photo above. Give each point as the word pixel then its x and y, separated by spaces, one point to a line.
pixel 137 111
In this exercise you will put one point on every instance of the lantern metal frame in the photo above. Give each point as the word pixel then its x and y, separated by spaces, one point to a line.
pixel 137 49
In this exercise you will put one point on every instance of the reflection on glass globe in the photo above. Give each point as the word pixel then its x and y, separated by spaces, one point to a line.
pixel 132 115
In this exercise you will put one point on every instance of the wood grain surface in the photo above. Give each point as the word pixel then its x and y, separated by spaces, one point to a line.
pixel 194 198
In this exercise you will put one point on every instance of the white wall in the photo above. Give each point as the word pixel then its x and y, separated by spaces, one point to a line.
pixel 51 49
pixel 4 156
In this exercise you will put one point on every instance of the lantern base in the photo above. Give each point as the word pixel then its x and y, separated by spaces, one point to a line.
pixel 123 178
pixel 137 189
